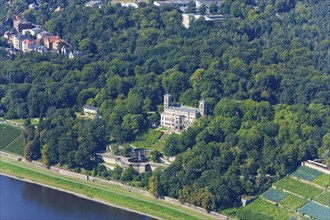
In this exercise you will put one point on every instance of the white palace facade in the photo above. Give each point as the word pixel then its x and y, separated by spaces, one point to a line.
pixel 180 117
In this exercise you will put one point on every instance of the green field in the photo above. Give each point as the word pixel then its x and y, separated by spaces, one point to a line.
pixel 11 139
pixel 108 193
pixel 292 202
pixel 274 195
pixel 16 146
pixel 322 180
pixel 306 173
pixel 295 186
pixel 8 134
pixel 324 198
pixel 152 139
pixel 264 208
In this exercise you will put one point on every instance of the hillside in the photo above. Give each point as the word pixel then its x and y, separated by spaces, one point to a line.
pixel 297 196
pixel 263 70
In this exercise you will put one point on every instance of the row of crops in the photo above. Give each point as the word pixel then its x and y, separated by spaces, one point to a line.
pixel 11 139
pixel 302 197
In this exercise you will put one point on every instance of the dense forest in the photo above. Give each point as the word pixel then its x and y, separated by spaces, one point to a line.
pixel 264 73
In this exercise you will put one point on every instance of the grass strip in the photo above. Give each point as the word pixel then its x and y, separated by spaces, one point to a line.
pixel 292 202
pixel 295 186
pixel 324 198
pixel 322 180
pixel 94 192
pixel 264 208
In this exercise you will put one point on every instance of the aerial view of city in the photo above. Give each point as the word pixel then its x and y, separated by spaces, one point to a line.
pixel 164 109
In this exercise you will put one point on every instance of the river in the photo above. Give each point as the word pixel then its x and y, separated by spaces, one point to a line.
pixel 23 200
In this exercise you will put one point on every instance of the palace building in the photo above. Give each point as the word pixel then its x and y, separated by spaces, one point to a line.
pixel 180 117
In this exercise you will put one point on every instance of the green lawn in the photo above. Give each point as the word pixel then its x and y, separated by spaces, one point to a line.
pixel 295 186
pixel 150 139
pixel 232 212
pixel 292 202
pixel 105 193
pixel 8 134
pixel 261 207
pixel 324 198
pixel 322 180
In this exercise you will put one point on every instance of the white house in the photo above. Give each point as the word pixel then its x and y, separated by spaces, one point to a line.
pixel 90 110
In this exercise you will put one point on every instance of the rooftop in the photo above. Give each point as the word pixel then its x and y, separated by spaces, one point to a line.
pixel 184 109
pixel 91 108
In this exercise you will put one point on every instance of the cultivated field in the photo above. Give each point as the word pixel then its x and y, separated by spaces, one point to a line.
pixel 11 139
pixel 261 206
pixel 322 180
pixel 295 186
pixel 315 210
pixel 292 202
pixel 324 198
pixel 296 198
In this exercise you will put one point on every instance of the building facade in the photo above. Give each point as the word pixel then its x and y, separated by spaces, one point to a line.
pixel 180 117
pixel 91 110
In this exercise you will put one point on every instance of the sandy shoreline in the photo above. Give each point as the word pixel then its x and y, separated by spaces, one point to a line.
pixel 78 195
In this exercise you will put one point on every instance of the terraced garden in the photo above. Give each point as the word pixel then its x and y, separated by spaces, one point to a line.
pixel 295 186
pixel 322 180
pixel 11 139
pixel 153 139
pixel 315 210
pixel 296 198
pixel 292 202
pixel 306 173
pixel 324 198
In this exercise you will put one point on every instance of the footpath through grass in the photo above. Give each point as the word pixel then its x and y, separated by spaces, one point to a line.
pixel 98 192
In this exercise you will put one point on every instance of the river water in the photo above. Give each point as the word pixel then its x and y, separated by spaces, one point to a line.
pixel 22 200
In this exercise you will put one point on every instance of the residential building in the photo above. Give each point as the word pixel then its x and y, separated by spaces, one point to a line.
pixel 20 25
pixel 94 4
pixel 17 41
pixel 187 19
pixel 52 42
pixel 74 54
pixel 33 31
pixel 90 110
pixel 28 45
pixel 172 3
pixel 40 48
pixel 43 34
pixel 207 3
pixel 180 117
pixel 130 4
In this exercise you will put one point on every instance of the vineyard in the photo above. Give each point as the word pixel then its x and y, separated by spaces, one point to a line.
pixel 295 196
pixel 295 186
pixel 315 210
pixel 274 195
pixel 11 139
pixel 306 173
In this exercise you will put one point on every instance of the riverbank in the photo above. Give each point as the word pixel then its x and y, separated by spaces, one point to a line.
pixel 76 194
pixel 111 195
